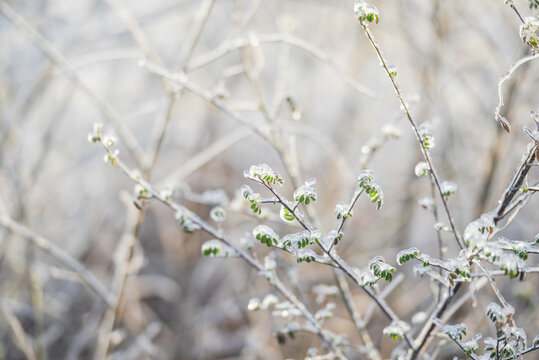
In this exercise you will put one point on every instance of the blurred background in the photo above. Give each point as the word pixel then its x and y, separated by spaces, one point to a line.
pixel 65 65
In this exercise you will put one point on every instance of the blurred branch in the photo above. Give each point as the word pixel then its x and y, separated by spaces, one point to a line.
pixel 60 255
pixel 240 42
pixel 102 105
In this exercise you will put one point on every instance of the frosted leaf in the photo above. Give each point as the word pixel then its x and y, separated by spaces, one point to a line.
pixel 255 203
pixel 141 191
pixel 286 215
pixel 490 344
pixel 218 214
pixel 365 178
pixel 266 235
pixel 166 194
pixel 264 173
pixel 306 255
pixel 407 255
pixel 323 290
pixel 108 140
pixel 380 269
pixel 396 330
pixel 426 137
pixel 497 314
pixel 448 188
pixel 536 239
pixel 95 135
pixel 477 232
pixel 269 301
pixel 391 131
pixel 376 195
pixel 392 69
pixel 455 332
pixel 520 248
pixel 439 226
pixel 364 11
pixel 216 248
pixel 529 32
pixel 341 210
pixel 297 240
pixel 536 341
pixel 493 252
pixel 246 191
pixel 367 278
pixel 254 304
pixel 510 264
pixel 426 203
pixel 306 193
pixel 421 169
pixel 332 238
pixel 459 266
pixel 472 346
pixel 186 223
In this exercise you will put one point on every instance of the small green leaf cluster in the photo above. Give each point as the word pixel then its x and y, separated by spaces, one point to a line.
pixel 380 269
pixel 265 173
pixel 186 223
pixel 472 346
pixel 299 240
pixel 427 139
pixel 455 332
pixel 305 255
pixel 218 214
pixel 341 211
pixel 448 188
pixel 407 255
pixel 364 11
pixel 529 32
pixel 266 235
pixel 396 330
pixel 215 248
pixel 373 190
pixel 286 215
pixel 255 203
pixel 306 193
